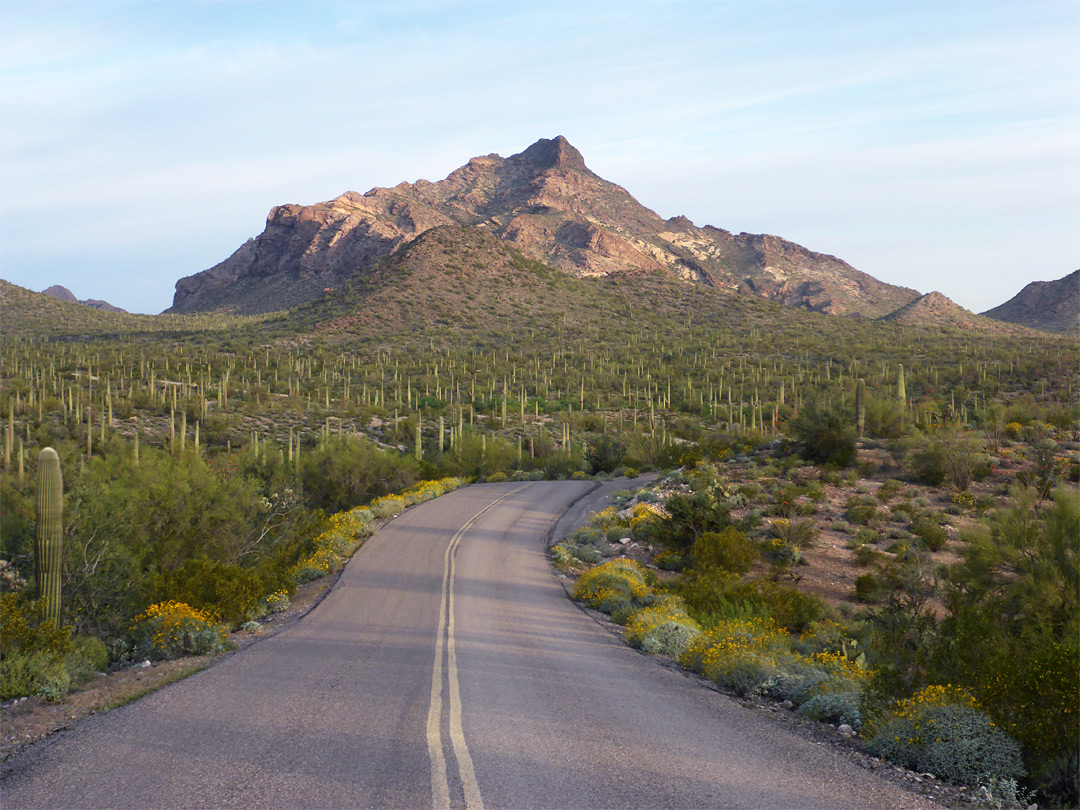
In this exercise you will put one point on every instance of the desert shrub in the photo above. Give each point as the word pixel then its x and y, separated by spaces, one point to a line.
pixel 825 435
pixel 671 560
pixel 795 533
pixel 789 607
pixel 344 472
pixel 690 517
pixel 866 555
pixel 889 489
pixel 860 511
pixel 928 465
pixel 587 554
pixel 26 628
pixel 497 477
pixel 277 602
pixel 168 630
pixel 834 708
pixel 954 741
pixel 228 591
pixel 605 454
pixel 868 588
pixel 728 550
pixel 931 533
pixel 884 417
pixel 715 595
pixel 88 657
pixel 611 585
pixel 33 673
pixel 735 655
pixel 662 629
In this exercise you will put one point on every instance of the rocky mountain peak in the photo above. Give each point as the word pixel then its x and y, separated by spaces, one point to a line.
pixel 547 203
pixel 556 153
pixel 61 292
pixel 64 294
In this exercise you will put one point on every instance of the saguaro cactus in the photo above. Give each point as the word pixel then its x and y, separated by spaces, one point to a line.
pixel 49 513
pixel 860 406
pixel 901 389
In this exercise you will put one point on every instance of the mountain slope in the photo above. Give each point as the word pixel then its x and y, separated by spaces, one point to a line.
pixel 935 310
pixel 1053 306
pixel 548 203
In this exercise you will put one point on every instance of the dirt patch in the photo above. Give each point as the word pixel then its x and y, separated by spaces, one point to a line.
pixel 27 720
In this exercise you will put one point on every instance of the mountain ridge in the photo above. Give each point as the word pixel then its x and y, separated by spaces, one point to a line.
pixel 548 203
pixel 1052 306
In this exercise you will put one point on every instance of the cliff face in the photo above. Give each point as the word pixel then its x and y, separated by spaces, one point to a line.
pixel 1052 306
pixel 544 201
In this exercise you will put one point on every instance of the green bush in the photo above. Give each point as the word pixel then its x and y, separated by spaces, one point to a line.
pixel 88 657
pixel 789 607
pixel 825 435
pixel 932 535
pixel 604 454
pixel 868 588
pixel 33 673
pixel 954 742
pixel 692 515
pixel 834 708
pixel 928 465
pixel 25 628
pixel 229 591
pixel 860 511
pixel 727 550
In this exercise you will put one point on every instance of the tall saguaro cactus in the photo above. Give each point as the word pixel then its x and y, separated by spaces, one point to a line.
pixel 49 513
pixel 860 406
pixel 901 388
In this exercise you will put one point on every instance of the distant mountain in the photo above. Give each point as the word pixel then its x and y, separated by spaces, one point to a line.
pixel 546 202
pixel 64 294
pixel 1052 306
pixel 936 310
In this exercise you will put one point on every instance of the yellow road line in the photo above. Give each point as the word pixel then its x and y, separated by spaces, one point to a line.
pixel 440 786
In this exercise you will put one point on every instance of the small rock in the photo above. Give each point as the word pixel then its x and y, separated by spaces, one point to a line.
pixel 624 540
pixel 927 776
pixel 1033 807
pixel 144 665
pixel 844 730
pixel 983 794
pixel 787 704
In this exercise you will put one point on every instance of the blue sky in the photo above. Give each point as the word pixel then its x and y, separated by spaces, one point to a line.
pixel 930 144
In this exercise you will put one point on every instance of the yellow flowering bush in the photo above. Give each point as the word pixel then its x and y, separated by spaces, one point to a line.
pixel 663 628
pixel 965 499
pixel 277 602
pixel 941 730
pixel 757 656
pixel 167 630
pixel 612 585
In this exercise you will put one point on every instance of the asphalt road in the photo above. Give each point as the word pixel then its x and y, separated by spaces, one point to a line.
pixel 446 668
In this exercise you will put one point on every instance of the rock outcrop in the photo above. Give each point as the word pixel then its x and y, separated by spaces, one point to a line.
pixel 550 205
pixel 1052 306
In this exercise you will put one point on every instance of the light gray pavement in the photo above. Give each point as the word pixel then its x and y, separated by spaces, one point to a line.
pixel 535 705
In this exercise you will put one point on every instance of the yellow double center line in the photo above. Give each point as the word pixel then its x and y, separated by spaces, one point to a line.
pixel 440 787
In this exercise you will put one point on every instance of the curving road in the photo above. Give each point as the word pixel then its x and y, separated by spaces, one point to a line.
pixel 446 668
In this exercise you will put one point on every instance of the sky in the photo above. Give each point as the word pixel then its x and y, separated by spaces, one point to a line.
pixel 929 143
